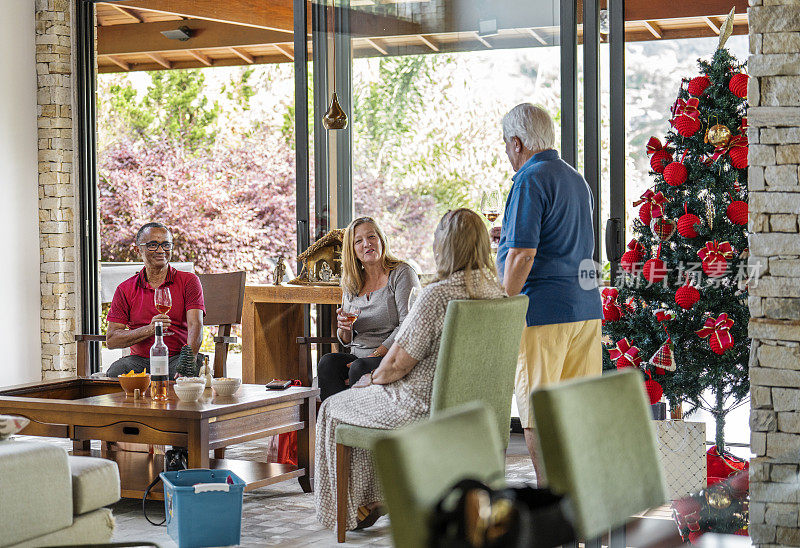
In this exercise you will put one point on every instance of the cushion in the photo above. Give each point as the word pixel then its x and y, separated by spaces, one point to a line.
pixel 36 490
pixel 10 425
pixel 358 436
pixel 95 483
pixel 94 528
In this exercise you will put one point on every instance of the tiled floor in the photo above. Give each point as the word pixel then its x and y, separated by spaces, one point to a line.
pixel 281 515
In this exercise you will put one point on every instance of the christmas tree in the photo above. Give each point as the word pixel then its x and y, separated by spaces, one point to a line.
pixel 679 310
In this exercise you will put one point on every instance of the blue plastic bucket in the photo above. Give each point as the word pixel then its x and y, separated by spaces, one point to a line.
pixel 203 509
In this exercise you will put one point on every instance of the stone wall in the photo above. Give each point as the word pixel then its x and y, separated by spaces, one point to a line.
pixel 774 136
pixel 57 191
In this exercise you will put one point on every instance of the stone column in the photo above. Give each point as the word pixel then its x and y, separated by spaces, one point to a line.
pixel 57 192
pixel 774 136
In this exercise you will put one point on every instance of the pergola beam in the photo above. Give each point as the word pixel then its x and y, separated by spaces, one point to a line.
pixel 119 62
pixel 483 41
pixel 160 60
pixel 284 51
pixel 537 37
pixel 428 42
pixel 653 28
pixel 200 57
pixel 128 13
pixel 711 24
pixel 376 46
pixel 246 57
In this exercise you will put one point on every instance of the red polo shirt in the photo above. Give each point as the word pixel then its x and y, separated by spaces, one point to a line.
pixel 134 305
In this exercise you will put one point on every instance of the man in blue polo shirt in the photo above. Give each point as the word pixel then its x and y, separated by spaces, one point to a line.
pixel 545 241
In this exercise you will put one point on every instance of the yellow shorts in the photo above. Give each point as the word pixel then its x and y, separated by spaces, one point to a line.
pixel 553 353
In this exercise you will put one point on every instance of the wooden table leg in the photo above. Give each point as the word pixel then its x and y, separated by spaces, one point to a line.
pixel 198 444
pixel 305 444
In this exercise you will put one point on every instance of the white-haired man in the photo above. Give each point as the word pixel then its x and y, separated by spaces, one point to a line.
pixel 546 234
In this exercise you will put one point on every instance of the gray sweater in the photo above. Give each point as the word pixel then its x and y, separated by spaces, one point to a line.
pixel 382 311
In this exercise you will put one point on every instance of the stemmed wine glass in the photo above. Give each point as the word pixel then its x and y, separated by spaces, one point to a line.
pixel 491 207
pixel 163 301
pixel 352 316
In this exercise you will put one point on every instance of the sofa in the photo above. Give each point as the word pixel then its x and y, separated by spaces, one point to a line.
pixel 52 499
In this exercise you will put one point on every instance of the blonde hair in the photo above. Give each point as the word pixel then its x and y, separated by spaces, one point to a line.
pixel 352 269
pixel 462 243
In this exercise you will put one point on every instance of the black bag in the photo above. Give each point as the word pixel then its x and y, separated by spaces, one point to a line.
pixel 473 515
pixel 176 458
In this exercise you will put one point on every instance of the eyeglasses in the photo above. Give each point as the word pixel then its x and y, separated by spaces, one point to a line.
pixel 153 246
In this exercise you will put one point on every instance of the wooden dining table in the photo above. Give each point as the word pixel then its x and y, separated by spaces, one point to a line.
pixel 273 316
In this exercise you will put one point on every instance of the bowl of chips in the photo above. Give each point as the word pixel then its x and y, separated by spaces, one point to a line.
pixel 131 381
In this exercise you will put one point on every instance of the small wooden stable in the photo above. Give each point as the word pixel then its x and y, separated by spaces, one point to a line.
pixel 322 261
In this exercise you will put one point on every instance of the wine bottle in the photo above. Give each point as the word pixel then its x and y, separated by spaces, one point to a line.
pixel 159 365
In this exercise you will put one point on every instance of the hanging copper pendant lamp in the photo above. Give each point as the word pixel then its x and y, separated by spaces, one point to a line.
pixel 335 117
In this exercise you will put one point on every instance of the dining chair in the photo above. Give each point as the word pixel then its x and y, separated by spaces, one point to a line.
pixel 477 361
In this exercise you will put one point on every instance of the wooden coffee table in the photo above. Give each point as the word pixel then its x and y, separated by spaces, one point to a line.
pixel 84 409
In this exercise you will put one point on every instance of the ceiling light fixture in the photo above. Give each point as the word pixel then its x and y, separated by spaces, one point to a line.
pixel 181 33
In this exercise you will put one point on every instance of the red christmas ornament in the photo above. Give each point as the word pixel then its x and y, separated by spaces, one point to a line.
pixel 714 257
pixel 698 85
pixel 660 156
pixel 738 85
pixel 737 212
pixel 686 224
pixel 662 228
pixel 675 174
pixel 631 260
pixel 654 270
pixel 686 296
pixel 611 309
pixel 718 333
pixel 624 354
pixel 686 120
pixel 651 205
pixel 654 391
pixel 739 156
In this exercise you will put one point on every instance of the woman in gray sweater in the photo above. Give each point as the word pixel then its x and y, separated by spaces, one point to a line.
pixel 375 288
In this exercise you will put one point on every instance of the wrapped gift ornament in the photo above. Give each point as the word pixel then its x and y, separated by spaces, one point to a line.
pixel 624 354
pixel 651 206
pixel 717 331
pixel 714 256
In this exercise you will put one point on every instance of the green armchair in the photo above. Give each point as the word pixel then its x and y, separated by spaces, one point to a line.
pixel 416 465
pixel 598 447
pixel 477 361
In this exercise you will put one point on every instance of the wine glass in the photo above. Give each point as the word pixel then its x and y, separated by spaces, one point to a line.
pixel 491 205
pixel 351 316
pixel 163 299
pixel 163 302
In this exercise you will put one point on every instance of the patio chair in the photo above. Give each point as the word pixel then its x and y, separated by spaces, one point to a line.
pixel 416 465
pixel 477 361
pixel 224 296
pixel 598 447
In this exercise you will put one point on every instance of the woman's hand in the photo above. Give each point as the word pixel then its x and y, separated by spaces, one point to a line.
pixel 345 326
pixel 364 381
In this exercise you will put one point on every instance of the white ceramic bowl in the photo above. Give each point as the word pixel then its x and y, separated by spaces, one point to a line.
pixel 189 391
pixel 226 386
pixel 189 380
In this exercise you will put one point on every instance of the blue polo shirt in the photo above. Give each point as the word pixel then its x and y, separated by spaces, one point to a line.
pixel 549 209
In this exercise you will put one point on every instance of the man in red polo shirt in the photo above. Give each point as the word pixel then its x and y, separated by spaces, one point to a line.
pixel 133 315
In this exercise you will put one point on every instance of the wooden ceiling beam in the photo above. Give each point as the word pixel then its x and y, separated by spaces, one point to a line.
pixel 160 60
pixel 376 46
pixel 119 62
pixel 147 37
pixel 711 25
pixel 537 37
pixel 483 41
pixel 200 57
pixel 244 56
pixel 647 10
pixel 274 15
pixel 284 51
pixel 128 13
pixel 653 28
pixel 428 42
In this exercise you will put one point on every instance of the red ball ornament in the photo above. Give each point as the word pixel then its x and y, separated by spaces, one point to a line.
pixel 611 313
pixel 654 270
pixel 738 85
pixel 631 261
pixel 698 85
pixel 675 174
pixel 659 159
pixel 686 125
pixel 644 213
pixel 686 296
pixel 654 391
pixel 739 157
pixel 716 268
pixel 686 225
pixel 718 347
pixel 737 212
